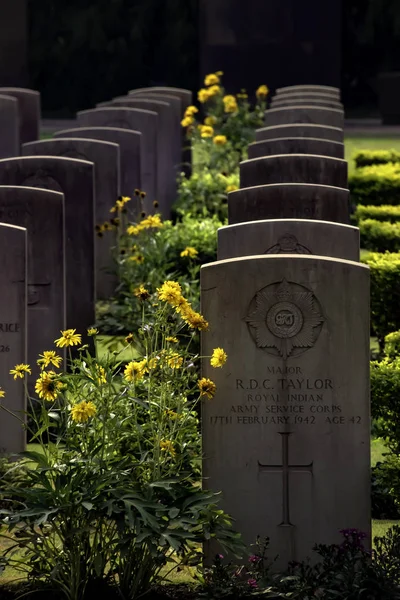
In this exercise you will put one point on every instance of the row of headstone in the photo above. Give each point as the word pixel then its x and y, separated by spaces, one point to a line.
pixel 52 194
pixel 286 439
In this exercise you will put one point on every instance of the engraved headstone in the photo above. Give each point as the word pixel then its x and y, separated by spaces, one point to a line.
pixel 283 102
pixel 289 236
pixel 75 179
pixel 29 112
pixel 304 114
pixel 315 89
pixel 304 96
pixel 296 145
pixel 300 130
pixel 9 127
pixel 166 168
pixel 129 143
pixel 135 119
pixel 289 201
pixel 286 438
pixel 13 277
pixel 294 168
pixel 41 212
pixel 105 156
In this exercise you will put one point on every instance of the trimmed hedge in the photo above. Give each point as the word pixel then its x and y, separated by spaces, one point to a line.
pixel 385 293
pixel 380 236
pixel 385 401
pixel 378 213
pixel 365 158
pixel 377 185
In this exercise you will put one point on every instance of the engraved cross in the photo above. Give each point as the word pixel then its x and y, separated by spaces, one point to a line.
pixel 286 469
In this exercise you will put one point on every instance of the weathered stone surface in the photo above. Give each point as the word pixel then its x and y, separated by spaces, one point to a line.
pixel 13 278
pixel 289 201
pixel 294 168
pixel 317 89
pixel 289 236
pixel 9 127
pixel 296 145
pixel 287 436
pixel 14 42
pixel 135 119
pixel 129 143
pixel 41 213
pixel 105 156
pixel 167 148
pixel 29 112
pixel 285 102
pixel 300 130
pixel 305 114
pixel 300 95
pixel 75 179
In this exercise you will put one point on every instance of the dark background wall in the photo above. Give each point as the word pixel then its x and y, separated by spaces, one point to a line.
pixel 83 51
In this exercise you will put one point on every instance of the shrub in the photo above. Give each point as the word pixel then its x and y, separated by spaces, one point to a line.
pixel 380 236
pixel 385 401
pixel 385 489
pixel 364 158
pixel 115 498
pixel 385 293
pixel 377 185
pixel 392 344
pixel 378 213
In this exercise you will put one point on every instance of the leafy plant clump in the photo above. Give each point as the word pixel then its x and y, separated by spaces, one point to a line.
pixel 376 185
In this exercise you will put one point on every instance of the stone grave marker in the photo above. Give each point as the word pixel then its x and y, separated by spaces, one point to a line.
pixel 304 114
pixel 286 438
pixel 296 145
pixel 166 148
pixel 75 179
pixel 289 101
pixel 105 156
pixel 135 119
pixel 289 201
pixel 129 143
pixel 41 213
pixel 289 236
pixel 294 168
pixel 315 89
pixel 9 127
pixel 304 96
pixel 29 111
pixel 312 130
pixel 13 278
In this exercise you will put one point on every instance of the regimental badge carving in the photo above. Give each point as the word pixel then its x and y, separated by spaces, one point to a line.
pixel 288 244
pixel 285 319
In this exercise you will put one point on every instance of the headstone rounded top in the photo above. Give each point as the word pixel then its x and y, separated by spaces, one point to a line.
pixel 296 145
pixel 300 130
pixel 261 222
pixel 81 130
pixel 45 157
pixel 114 109
pixel 306 106
pixel 130 100
pixel 291 157
pixel 19 90
pixel 290 88
pixel 27 190
pixel 283 258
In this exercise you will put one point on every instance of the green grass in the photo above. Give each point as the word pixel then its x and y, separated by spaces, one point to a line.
pixel 107 344
pixel 378 449
pixel 379 528
pixel 353 143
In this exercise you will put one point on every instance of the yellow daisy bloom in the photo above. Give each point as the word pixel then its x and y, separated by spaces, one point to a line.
pixel 220 140
pixel 203 95
pixel 206 131
pixel 68 338
pixel 49 357
pixel 47 386
pixel 129 338
pixel 207 387
pixel 211 79
pixel 170 292
pixel 134 229
pixel 187 121
pixel 214 90
pixel 230 104
pixel 80 413
pixel 135 370
pixel 20 370
pixel 190 252
pixel 152 221
pixel 141 292
pixel 262 92
pixel 231 188
pixel 218 358
pixel 138 258
pixel 171 414
pixel 174 360
pixel 172 339
pixel 191 110
pixel 92 331
pixel 210 120
pixel 168 446
pixel 2 393
pixel 195 320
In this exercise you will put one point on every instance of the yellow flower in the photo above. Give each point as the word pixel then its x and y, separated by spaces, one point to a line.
pixel 207 387
pixel 187 121
pixel 171 414
pixel 190 252
pixel 174 360
pixel 168 446
pixel 210 120
pixel 220 140
pixel 194 319
pixel 214 90
pixel 135 370
pixel 2 393
pixel 138 258
pixel 206 131
pixel 211 79
pixel 92 331
pixel 230 104
pixel 262 91
pixel 172 339
pixel 191 110
pixel 20 370
pixel 49 357
pixel 133 230
pixel 129 338
pixel 68 338
pixel 47 386
pixel 219 73
pixel 218 358
pixel 152 363
pixel 83 411
pixel 120 203
pixel 152 221
pixel 170 292
pixel 231 188
pixel 100 375
pixel 242 96
pixel 141 292
pixel 203 95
